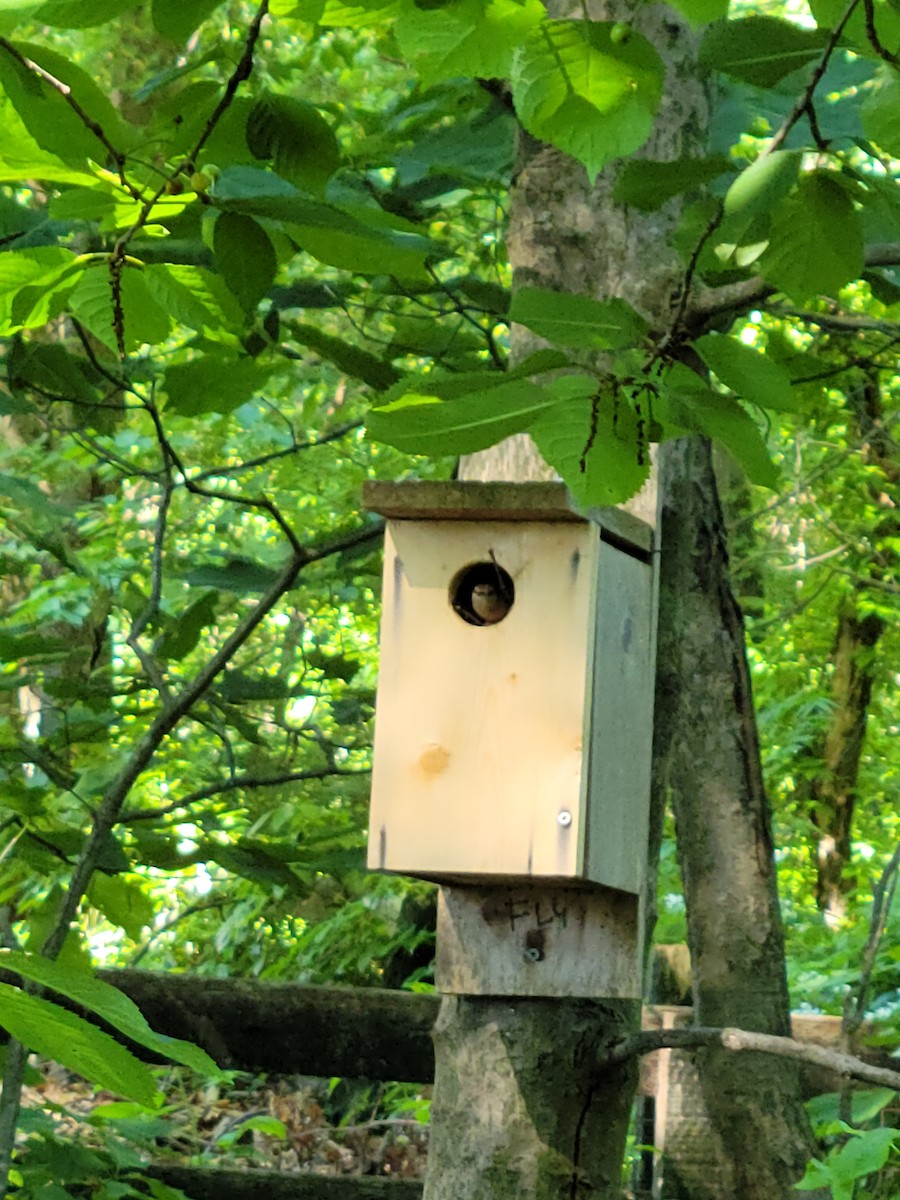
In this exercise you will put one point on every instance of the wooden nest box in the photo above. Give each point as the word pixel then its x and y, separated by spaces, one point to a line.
pixel 515 695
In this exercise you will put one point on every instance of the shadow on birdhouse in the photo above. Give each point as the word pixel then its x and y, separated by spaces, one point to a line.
pixel 514 711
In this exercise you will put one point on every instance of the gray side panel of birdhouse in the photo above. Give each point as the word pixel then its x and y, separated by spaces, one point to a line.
pixel 622 709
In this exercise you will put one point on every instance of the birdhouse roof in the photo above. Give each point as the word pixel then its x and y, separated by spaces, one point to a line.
pixel 457 500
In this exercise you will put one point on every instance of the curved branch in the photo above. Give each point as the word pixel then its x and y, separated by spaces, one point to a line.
pixel 699 1037
pixel 749 293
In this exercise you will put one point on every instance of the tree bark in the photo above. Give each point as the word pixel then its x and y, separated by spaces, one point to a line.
pixel 517 1110
pixel 832 792
pixel 217 1183
pixel 708 761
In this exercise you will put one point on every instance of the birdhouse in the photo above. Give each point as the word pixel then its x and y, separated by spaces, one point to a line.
pixel 515 696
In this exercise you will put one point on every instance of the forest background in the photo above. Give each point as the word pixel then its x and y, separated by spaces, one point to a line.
pixel 228 234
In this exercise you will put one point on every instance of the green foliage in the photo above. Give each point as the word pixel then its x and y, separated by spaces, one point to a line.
pixel 858 1153
pixel 221 258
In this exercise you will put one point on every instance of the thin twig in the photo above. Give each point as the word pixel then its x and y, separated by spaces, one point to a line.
pixel 840 322
pixel 86 119
pixel 151 608
pixel 882 898
pixel 239 782
pixel 258 502
pixel 665 343
pixel 804 101
pixel 263 460
pixel 117 257
pixel 698 1037
pixel 872 34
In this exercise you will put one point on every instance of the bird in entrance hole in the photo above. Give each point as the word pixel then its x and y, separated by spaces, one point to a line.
pixel 489 603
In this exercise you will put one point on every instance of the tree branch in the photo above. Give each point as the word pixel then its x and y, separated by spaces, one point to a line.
pixel 804 101
pixel 840 322
pixel 88 121
pixel 264 459
pixel 882 900
pixel 231 785
pixel 699 1037
pixel 749 293
pixel 874 40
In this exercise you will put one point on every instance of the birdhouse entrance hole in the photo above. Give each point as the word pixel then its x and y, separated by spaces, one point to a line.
pixel 482 593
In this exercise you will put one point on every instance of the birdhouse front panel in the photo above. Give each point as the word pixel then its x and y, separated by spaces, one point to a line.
pixel 487 651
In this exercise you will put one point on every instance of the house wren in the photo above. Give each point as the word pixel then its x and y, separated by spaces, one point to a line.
pixel 489 604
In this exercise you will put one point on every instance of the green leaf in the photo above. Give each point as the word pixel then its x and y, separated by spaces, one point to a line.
pixel 245 257
pixel 863 1154
pixel 49 1030
pixel 448 385
pixel 23 160
pixel 816 1176
pixel 700 12
pixel 591 439
pixel 251 861
pixel 298 138
pixel 184 631
pixel 759 50
pixel 760 186
pixel 27 276
pixel 423 424
pixel 48 118
pixel 177 19
pixel 239 576
pixel 193 296
pixel 28 497
pixel 578 321
pixel 689 404
pixel 122 901
pixel 322 230
pixel 472 38
pixel 144 320
pixel 235 686
pixel 76 14
pixel 82 204
pixel 213 384
pixel 109 1004
pixel 350 359
pixel 587 90
pixel 880 110
pixel 648 185
pixel 746 371
pixel 815 240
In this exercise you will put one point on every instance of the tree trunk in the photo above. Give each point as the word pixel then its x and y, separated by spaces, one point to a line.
pixel 517 1112
pixel 708 761
pixel 832 793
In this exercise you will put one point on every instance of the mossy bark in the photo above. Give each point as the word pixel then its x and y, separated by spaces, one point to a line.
pixel 518 1110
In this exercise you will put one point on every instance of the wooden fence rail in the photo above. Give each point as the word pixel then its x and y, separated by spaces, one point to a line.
pixel 290 1029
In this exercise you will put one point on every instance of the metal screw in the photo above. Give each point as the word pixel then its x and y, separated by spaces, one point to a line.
pixel 532 954
pixel 564 818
